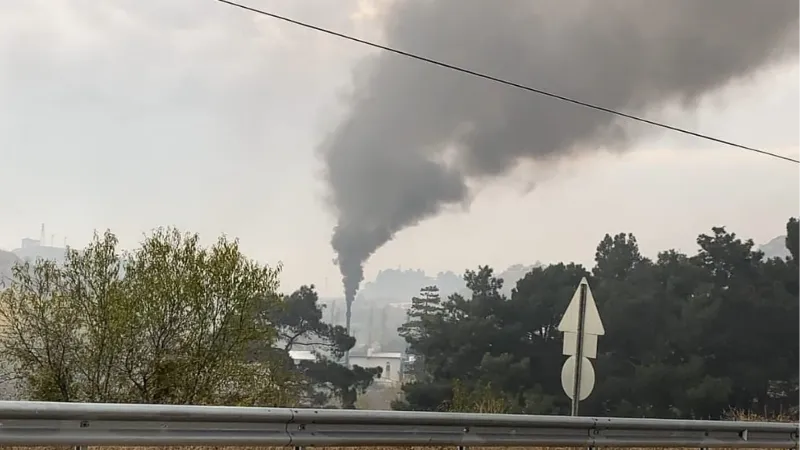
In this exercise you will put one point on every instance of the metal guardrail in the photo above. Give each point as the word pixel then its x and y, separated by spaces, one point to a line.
pixel 92 424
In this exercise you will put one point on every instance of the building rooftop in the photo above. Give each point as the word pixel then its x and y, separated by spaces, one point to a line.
pixel 302 355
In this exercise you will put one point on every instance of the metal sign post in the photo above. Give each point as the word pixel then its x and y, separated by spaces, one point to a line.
pixel 581 326
pixel 579 351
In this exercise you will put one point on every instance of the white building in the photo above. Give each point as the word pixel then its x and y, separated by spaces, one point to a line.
pixel 390 362
pixel 302 355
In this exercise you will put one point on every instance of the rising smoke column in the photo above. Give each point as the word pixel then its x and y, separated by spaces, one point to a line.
pixel 385 161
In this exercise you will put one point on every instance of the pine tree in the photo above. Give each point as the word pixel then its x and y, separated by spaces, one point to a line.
pixel 424 308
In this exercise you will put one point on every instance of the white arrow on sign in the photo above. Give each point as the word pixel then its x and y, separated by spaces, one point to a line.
pixel 581 325
pixel 591 320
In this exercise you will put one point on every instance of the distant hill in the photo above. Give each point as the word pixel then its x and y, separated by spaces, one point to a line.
pixel 397 285
pixel 57 254
pixel 28 253
pixel 7 261
pixel 776 248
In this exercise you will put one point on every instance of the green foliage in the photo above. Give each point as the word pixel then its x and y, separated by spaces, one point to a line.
pixel 173 329
pixel 423 310
pixel 791 238
pixel 298 322
pixel 686 336
pixel 482 398
pixel 339 381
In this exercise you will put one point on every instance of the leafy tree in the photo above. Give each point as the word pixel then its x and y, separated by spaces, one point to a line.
pixel 424 309
pixel 455 338
pixel 299 324
pixel 339 381
pixel 791 238
pixel 686 336
pixel 173 329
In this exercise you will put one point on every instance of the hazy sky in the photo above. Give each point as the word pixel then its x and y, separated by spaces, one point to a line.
pixel 132 114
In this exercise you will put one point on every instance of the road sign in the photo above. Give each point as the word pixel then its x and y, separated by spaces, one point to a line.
pixel 571 345
pixel 586 384
pixel 581 325
pixel 591 322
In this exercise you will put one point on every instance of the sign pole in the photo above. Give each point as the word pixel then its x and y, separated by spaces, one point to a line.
pixel 581 326
pixel 579 350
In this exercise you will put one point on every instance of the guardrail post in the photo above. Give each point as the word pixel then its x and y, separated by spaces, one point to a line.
pixel 84 424
pixel 463 447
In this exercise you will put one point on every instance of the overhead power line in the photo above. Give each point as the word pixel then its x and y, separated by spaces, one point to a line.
pixel 508 83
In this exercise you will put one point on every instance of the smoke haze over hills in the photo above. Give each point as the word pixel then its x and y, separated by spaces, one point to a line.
pixel 400 285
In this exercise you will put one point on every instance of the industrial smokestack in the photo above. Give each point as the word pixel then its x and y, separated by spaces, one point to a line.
pixel 416 134
pixel 348 311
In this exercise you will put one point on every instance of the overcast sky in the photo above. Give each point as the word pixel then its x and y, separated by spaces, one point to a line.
pixel 132 114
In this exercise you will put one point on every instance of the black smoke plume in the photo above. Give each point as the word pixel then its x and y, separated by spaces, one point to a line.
pixel 416 133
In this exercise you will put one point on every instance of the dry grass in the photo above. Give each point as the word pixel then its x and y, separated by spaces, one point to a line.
pixel 261 448
pixel 337 448
pixel 283 448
